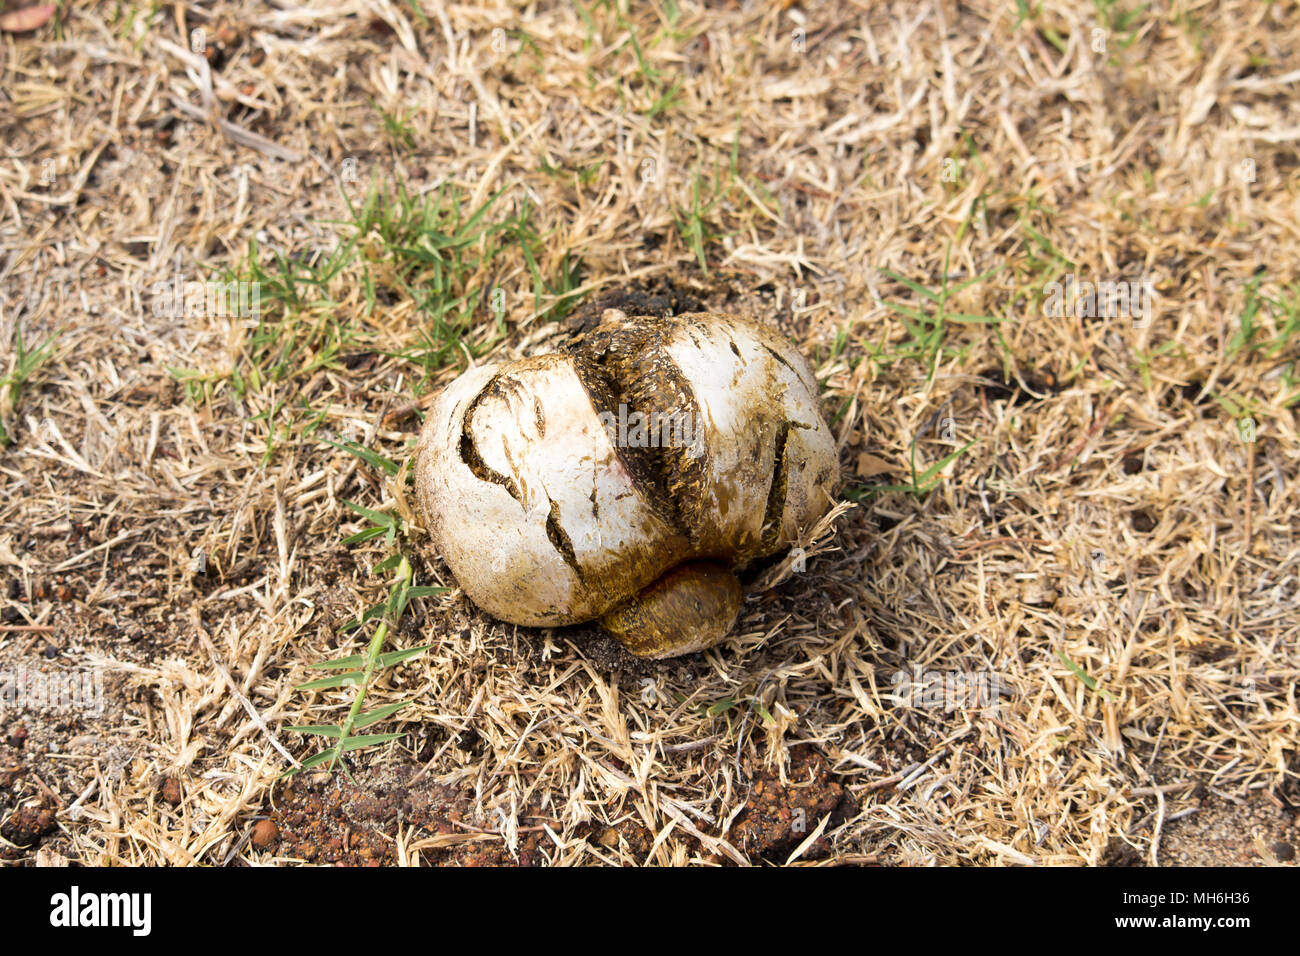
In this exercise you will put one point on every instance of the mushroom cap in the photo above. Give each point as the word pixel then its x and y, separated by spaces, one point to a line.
pixel 557 487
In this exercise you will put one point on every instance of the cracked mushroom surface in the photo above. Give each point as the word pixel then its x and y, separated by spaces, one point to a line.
pixel 628 477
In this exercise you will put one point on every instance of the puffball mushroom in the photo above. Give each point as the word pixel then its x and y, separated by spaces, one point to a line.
pixel 627 477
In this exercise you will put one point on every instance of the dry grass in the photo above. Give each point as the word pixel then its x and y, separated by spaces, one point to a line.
pixel 1109 549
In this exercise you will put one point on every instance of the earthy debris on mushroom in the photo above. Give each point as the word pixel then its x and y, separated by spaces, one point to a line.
pixel 627 478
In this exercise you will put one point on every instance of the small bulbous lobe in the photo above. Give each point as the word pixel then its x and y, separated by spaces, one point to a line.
pixel 691 607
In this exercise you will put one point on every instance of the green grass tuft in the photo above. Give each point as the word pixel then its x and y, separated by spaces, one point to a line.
pixel 22 367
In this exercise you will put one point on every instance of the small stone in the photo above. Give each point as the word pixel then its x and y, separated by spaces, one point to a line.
pixel 170 791
pixel 28 824
pixel 17 735
pixel 265 835
pixel 1284 852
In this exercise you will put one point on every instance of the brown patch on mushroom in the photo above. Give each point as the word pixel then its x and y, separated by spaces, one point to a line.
pixel 469 452
pixel 777 490
pixel 624 365
pixel 561 540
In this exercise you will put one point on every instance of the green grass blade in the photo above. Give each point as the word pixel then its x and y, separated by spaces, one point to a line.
pixel 369 740
pixel 321 730
pixel 352 661
pixel 914 286
pixel 375 716
pixel 348 679
pixel 396 657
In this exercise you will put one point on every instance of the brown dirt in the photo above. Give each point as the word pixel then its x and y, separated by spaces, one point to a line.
pixel 1256 830
pixel 327 818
